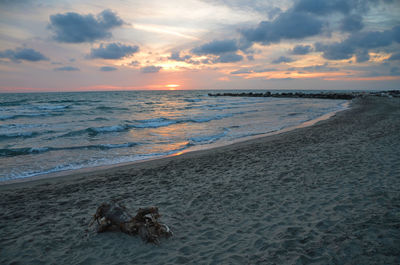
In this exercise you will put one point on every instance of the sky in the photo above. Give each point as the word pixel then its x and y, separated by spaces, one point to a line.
pixel 199 44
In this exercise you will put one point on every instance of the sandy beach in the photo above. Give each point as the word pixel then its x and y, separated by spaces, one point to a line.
pixel 325 194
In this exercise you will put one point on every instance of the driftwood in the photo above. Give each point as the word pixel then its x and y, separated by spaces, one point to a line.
pixel 112 216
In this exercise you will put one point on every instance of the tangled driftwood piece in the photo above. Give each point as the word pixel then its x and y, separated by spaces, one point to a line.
pixel 112 216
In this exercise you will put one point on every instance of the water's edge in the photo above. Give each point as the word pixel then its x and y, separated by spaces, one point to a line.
pixel 71 172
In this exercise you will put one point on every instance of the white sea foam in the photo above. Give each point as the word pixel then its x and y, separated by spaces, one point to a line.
pixel 88 129
pixel 114 128
pixel 51 107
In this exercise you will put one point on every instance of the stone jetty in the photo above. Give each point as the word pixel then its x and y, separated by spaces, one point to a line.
pixel 322 95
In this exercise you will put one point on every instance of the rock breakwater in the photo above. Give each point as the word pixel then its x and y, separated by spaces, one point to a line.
pixel 323 95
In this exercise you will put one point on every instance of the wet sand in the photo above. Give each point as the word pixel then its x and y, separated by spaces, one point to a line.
pixel 325 194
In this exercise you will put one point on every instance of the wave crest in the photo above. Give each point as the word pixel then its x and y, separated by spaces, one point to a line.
pixel 9 152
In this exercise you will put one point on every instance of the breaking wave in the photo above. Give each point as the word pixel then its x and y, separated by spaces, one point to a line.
pixel 35 150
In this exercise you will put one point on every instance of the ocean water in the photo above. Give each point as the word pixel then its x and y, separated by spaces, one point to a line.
pixel 49 132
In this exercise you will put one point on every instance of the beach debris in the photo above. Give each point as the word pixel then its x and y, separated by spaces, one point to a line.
pixel 114 217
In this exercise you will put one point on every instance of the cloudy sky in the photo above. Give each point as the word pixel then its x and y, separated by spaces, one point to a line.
pixel 199 44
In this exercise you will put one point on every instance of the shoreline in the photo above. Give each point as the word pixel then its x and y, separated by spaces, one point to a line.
pixel 92 170
pixel 327 194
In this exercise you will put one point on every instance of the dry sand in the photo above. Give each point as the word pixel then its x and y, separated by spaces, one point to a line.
pixel 325 194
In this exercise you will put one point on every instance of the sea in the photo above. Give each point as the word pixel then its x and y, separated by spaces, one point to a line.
pixel 42 133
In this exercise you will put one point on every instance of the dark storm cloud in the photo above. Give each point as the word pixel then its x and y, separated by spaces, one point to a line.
pixel 319 7
pixel 216 47
pixel 67 69
pixel 113 51
pixel 224 50
pixel 362 56
pixel 307 18
pixel 352 23
pixel 12 2
pixel 24 54
pixel 372 39
pixel 177 57
pixel 358 44
pixel 274 12
pixel 241 71
pixel 288 25
pixel 76 28
pixel 335 51
pixel 150 69
pixel 108 69
pixel 315 68
pixel 228 58
pixel 282 59
pixel 394 57
pixel 301 49
pixel 396 34
pixel 324 7
pixel 260 6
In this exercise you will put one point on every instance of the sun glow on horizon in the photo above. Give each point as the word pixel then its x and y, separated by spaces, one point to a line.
pixel 172 86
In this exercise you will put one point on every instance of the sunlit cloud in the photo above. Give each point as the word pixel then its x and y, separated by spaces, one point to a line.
pixel 164 30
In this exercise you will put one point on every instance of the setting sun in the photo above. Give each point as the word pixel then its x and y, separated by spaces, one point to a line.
pixel 172 86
